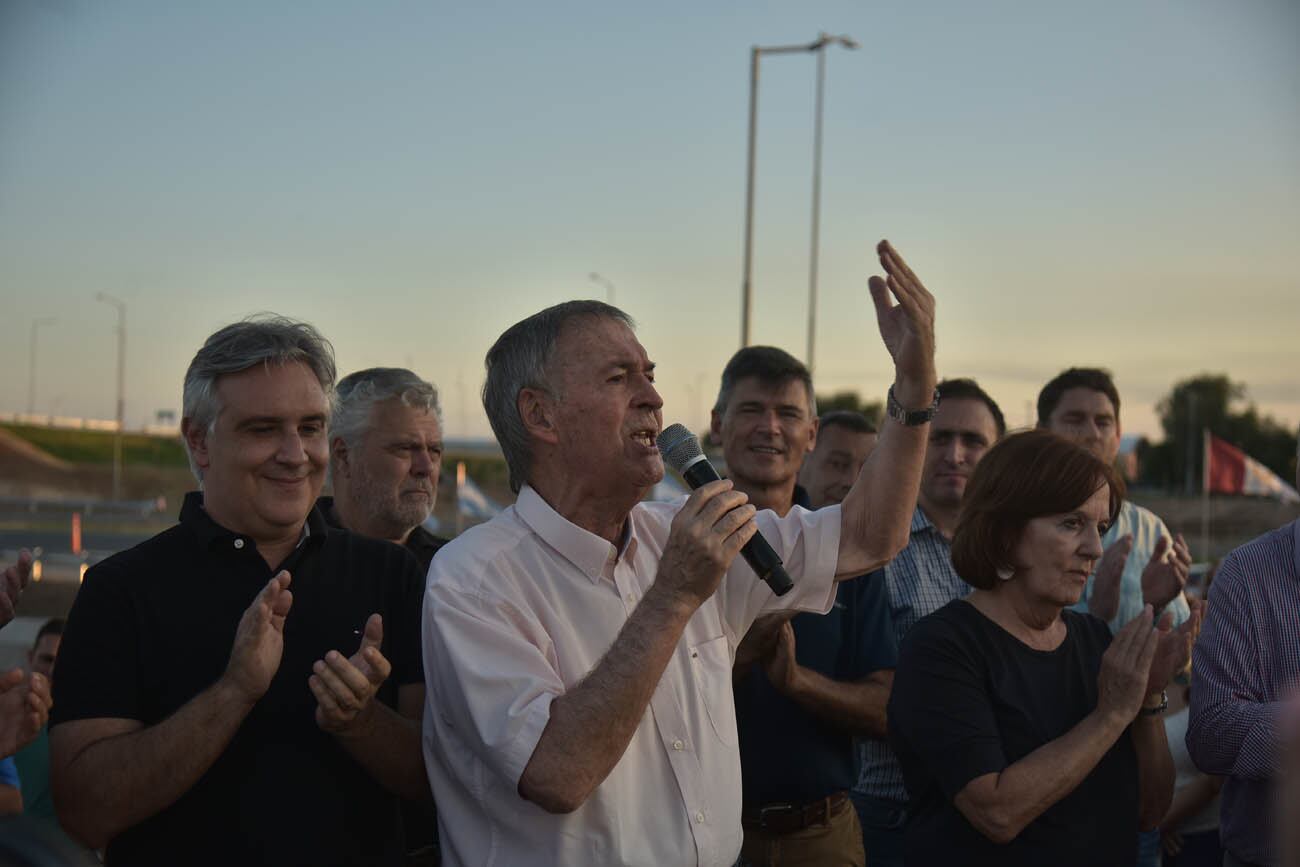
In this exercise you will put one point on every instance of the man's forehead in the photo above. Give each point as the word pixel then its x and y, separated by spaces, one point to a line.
pixel 789 391
pixel 599 341
pixel 838 437
pixel 1083 399
pixel 964 415
pixel 395 417
pixel 264 385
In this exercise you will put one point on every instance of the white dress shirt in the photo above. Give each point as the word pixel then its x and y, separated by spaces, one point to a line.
pixel 521 609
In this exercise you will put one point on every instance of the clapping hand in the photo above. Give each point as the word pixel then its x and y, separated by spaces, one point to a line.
pixel 1173 647
pixel 13 583
pixel 1166 572
pixel 259 640
pixel 780 666
pixel 24 709
pixel 345 688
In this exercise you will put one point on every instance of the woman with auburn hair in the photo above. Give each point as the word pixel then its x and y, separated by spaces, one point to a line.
pixel 1028 735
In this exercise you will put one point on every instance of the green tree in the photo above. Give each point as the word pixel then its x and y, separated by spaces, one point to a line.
pixel 1213 402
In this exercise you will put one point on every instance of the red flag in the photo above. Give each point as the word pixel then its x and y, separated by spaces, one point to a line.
pixel 1229 470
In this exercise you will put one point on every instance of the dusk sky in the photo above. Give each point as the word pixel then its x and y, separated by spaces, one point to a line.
pixel 1107 183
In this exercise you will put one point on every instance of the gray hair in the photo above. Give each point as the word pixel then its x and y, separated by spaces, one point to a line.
pixel 357 394
pixel 265 339
pixel 519 360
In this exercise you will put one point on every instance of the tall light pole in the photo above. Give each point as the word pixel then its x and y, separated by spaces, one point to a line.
pixel 31 365
pixel 607 283
pixel 755 52
pixel 814 243
pixel 121 388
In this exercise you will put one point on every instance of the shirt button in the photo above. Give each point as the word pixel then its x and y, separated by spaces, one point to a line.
pixel 679 745
pixel 699 818
pixel 631 597
pixel 239 543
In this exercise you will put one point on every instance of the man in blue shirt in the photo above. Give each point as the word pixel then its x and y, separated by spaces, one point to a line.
pixel 922 580
pixel 803 687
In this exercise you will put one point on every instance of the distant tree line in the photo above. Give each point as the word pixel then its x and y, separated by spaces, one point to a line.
pixel 1213 402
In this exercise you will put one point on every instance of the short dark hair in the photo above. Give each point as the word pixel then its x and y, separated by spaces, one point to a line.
pixel 1095 378
pixel 969 389
pixel 846 418
pixel 1026 475
pixel 53 626
pixel 768 365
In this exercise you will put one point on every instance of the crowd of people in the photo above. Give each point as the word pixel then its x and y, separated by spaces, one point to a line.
pixel 989 655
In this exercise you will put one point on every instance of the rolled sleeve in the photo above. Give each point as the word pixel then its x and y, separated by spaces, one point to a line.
pixel 808 543
pixel 1232 727
pixel 491 677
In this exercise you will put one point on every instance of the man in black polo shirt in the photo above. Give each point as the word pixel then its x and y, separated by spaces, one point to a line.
pixel 385 458
pixel 803 688
pixel 229 691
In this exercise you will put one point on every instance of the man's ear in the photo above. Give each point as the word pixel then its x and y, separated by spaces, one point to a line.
pixel 339 457
pixel 715 427
pixel 812 440
pixel 537 411
pixel 196 439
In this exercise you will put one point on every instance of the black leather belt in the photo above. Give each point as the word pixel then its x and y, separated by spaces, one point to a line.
pixel 788 818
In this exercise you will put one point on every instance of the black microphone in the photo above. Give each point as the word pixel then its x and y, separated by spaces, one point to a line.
pixel 681 450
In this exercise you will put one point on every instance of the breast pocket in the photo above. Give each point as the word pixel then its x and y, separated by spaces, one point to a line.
pixel 711 668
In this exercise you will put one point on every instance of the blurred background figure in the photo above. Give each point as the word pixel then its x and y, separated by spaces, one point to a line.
pixel 33 760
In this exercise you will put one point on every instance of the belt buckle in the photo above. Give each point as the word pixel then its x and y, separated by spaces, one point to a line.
pixel 774 809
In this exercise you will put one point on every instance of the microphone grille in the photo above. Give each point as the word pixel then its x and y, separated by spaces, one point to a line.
pixel 679 446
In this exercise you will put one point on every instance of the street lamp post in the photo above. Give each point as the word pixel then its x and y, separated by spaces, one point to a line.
pixel 31 365
pixel 817 46
pixel 121 388
pixel 607 283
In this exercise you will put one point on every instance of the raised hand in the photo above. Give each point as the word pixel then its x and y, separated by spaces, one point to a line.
pixel 1126 667
pixel 1166 572
pixel 705 536
pixel 345 688
pixel 13 583
pixel 1174 647
pixel 24 709
pixel 1104 600
pixel 906 328
pixel 259 640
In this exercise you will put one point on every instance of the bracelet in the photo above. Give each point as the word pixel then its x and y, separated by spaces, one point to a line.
pixel 1157 709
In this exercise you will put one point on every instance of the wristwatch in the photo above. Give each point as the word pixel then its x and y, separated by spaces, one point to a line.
pixel 913 417
pixel 1158 709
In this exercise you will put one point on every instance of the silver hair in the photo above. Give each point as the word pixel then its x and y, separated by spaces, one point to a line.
pixel 518 360
pixel 265 339
pixel 359 392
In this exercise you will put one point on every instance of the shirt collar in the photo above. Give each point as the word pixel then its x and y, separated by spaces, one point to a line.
pixel 209 532
pixel 921 521
pixel 585 550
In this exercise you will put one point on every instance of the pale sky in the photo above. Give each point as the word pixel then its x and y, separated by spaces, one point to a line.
pixel 1110 183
